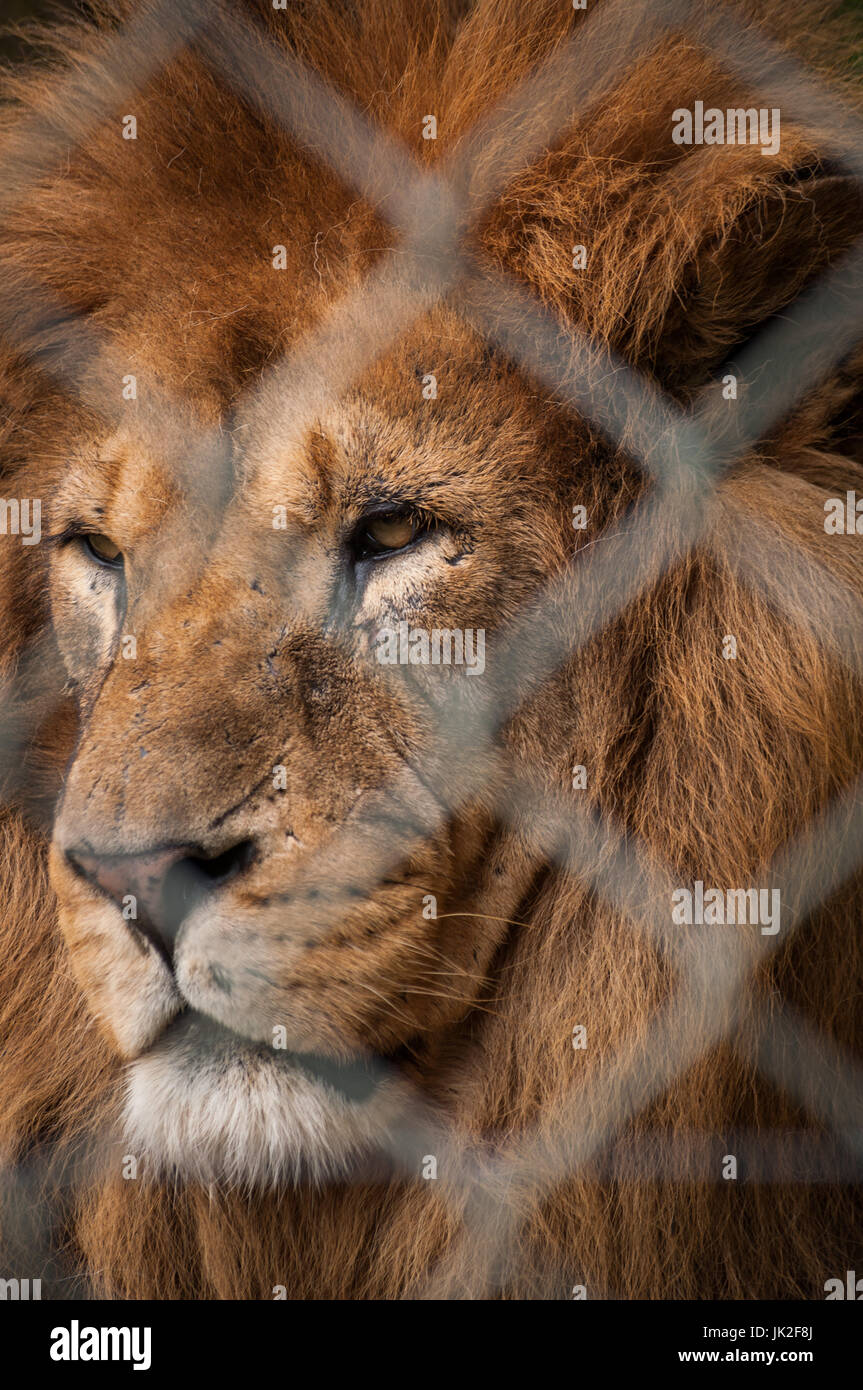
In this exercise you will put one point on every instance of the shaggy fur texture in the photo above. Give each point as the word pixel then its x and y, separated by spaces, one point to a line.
pixel 166 244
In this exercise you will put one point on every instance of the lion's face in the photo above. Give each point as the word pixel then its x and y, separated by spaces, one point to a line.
pixel 256 813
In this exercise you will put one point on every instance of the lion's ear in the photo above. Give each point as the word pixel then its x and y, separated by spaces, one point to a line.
pixel 748 270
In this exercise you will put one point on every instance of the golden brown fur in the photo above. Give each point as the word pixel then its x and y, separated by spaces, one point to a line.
pixel 713 764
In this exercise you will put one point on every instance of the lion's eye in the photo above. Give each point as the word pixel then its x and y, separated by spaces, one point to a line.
pixel 392 531
pixel 103 550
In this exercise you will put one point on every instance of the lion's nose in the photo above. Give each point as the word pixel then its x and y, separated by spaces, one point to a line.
pixel 156 890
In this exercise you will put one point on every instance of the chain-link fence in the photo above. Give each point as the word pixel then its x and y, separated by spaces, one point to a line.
pixel 682 451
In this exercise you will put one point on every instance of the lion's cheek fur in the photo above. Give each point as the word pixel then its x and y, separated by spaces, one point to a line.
pixel 127 986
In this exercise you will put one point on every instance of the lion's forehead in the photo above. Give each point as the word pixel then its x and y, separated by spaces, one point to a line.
pixel 351 454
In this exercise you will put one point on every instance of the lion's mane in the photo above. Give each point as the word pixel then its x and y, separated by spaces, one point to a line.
pixel 713 765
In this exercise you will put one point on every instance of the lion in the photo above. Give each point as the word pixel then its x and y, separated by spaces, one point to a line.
pixel 321 974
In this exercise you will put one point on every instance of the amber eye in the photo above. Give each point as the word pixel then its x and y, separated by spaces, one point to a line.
pixel 391 532
pixel 381 535
pixel 103 549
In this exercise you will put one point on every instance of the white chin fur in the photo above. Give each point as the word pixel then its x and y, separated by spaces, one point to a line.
pixel 208 1106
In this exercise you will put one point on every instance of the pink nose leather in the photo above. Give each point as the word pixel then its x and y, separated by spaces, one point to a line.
pixel 141 875
pixel 167 884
